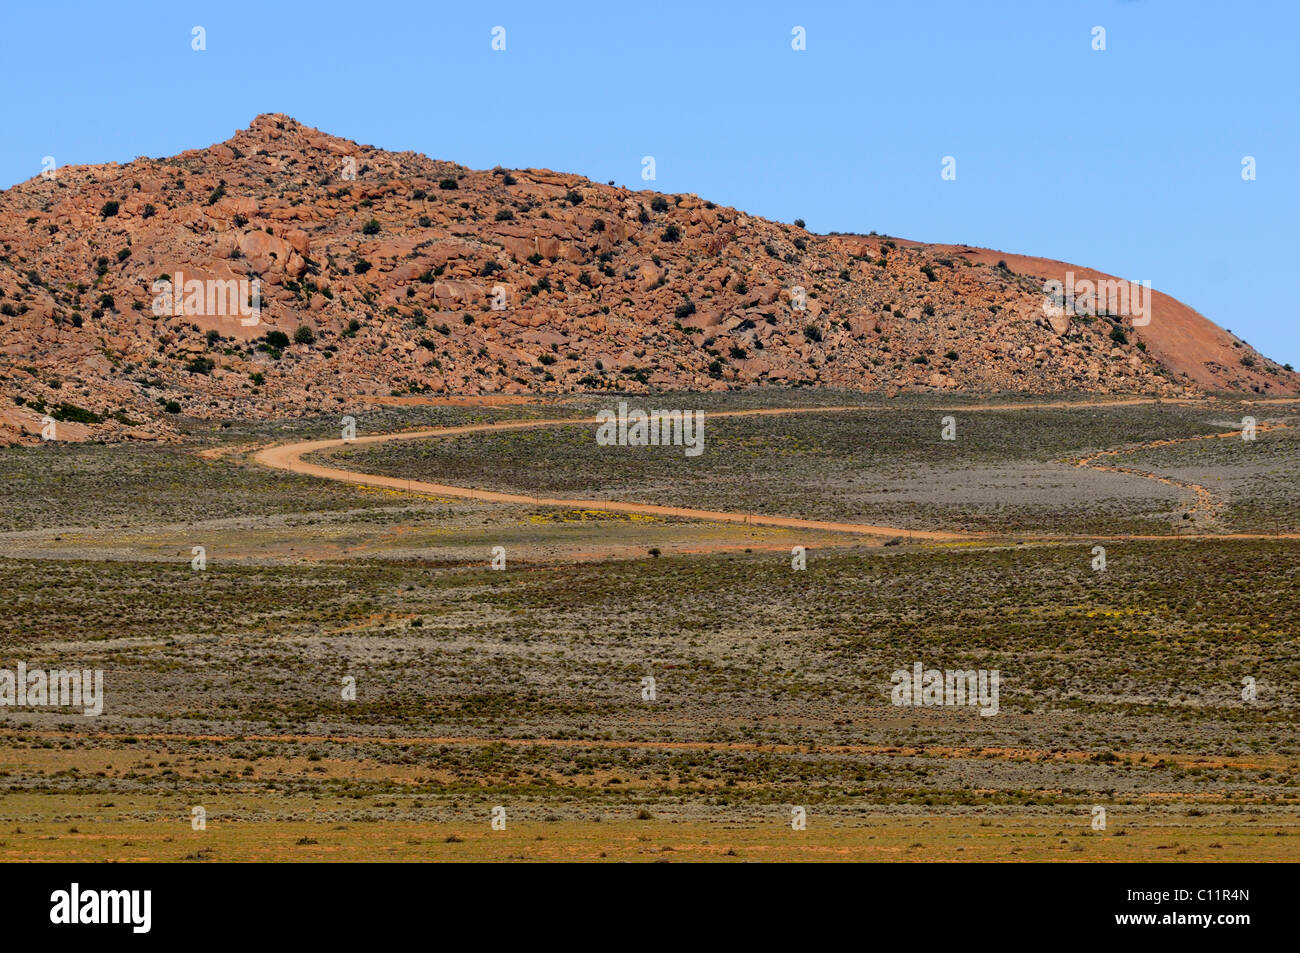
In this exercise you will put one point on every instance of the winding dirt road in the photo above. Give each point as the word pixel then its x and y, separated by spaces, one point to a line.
pixel 1206 503
pixel 289 457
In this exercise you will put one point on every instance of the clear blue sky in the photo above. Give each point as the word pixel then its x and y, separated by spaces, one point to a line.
pixel 1127 160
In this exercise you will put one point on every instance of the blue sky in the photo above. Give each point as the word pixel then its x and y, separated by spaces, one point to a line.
pixel 1127 160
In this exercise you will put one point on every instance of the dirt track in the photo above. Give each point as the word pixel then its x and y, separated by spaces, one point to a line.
pixel 289 457
pixel 1205 501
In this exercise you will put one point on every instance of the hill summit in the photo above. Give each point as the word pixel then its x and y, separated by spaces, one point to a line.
pixel 286 271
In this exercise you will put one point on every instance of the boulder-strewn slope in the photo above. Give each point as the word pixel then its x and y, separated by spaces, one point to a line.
pixel 393 273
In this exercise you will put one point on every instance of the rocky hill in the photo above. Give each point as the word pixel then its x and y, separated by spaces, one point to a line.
pixel 389 273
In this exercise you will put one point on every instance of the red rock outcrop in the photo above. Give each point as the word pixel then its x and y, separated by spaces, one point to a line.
pixel 408 275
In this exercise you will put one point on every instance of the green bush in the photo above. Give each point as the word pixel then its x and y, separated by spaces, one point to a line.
pixel 75 414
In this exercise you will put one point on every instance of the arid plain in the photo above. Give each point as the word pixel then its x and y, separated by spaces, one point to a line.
pixel 301 448
pixel 1122 688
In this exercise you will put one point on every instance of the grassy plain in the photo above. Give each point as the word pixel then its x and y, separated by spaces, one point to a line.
pixel 522 688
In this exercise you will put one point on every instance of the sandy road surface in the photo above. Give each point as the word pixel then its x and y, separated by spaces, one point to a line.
pixel 289 457
pixel 1205 501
